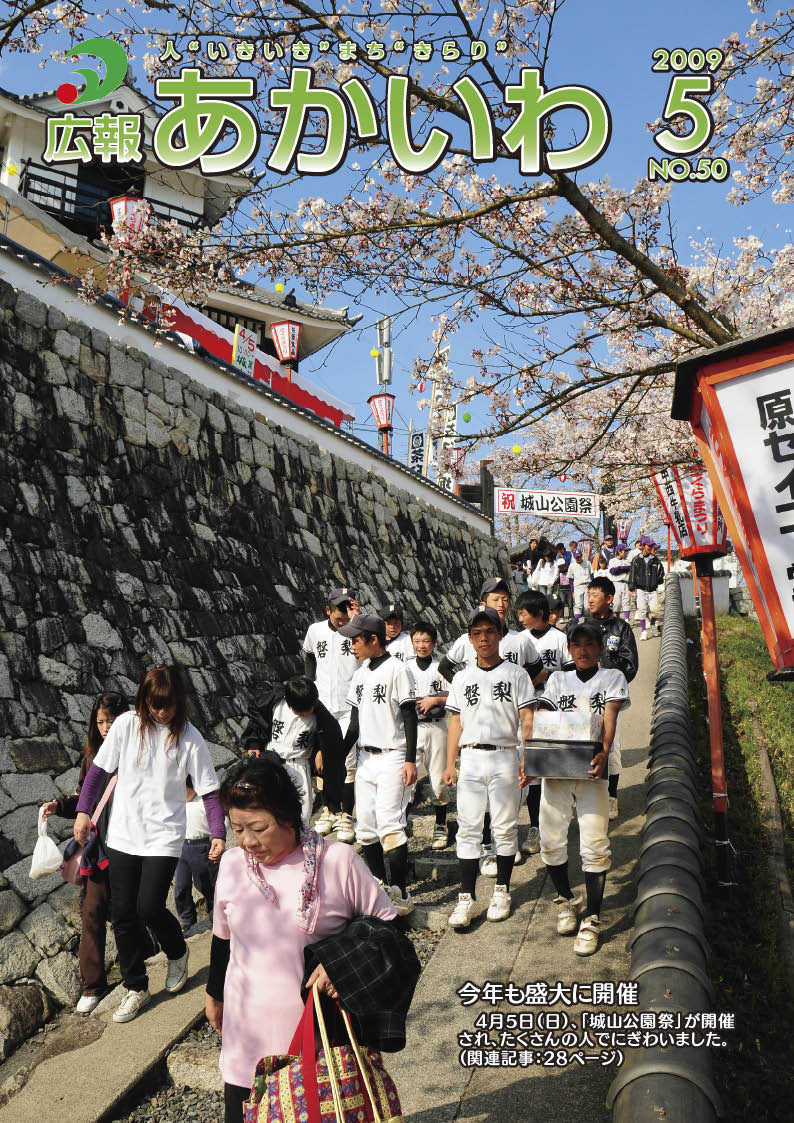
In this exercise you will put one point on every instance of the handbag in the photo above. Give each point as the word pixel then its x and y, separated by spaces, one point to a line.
pixel 335 1084
pixel 75 865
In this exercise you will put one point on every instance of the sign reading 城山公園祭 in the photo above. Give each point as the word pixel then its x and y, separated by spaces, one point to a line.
pixel 547 504
pixel 208 111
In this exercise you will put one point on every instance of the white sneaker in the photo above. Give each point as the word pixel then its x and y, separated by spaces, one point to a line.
pixel 464 912
pixel 440 838
pixel 499 908
pixel 343 825
pixel 132 1005
pixel 488 862
pixel 403 904
pixel 325 821
pixel 519 858
pixel 531 844
pixel 586 942
pixel 656 631
pixel 176 975
pixel 88 1003
pixel 613 807
pixel 567 915
pixel 643 635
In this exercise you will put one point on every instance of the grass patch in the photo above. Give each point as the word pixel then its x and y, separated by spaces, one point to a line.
pixel 747 966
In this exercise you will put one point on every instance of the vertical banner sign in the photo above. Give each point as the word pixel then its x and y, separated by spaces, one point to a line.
pixel 706 525
pixel 416 452
pixel 244 349
pixel 739 400
pixel 666 483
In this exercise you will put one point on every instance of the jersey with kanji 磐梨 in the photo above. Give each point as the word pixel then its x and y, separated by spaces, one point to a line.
pixel 487 700
pixel 401 647
pixel 336 665
pixel 515 647
pixel 378 694
pixel 428 682
pixel 292 735
pixel 567 693
pixel 552 647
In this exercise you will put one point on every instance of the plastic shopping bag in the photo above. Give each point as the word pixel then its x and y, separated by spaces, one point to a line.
pixel 47 857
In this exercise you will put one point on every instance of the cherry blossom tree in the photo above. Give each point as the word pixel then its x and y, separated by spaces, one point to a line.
pixel 581 295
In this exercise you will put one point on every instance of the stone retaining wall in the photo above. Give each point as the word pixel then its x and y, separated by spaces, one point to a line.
pixel 145 519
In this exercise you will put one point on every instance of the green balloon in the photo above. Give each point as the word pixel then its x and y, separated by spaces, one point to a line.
pixel 467 417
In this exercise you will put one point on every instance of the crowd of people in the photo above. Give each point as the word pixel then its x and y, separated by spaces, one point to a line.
pixel 343 745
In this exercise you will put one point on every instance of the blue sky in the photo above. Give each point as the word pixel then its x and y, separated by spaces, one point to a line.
pixel 605 45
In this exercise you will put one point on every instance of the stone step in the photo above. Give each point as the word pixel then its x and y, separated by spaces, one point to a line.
pixel 442 867
pixel 194 1064
pixel 433 917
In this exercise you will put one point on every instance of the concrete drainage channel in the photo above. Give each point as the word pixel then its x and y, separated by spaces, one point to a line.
pixel 668 945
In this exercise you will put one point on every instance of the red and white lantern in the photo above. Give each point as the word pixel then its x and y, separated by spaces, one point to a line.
pixel 382 406
pixel 691 509
pixel 286 336
pixel 130 216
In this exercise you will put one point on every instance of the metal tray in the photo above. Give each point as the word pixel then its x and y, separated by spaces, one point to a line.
pixel 559 760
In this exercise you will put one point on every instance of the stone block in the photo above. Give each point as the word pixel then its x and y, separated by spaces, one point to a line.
pixel 24 406
pixel 23 1009
pixel 67 346
pixel 61 977
pixel 284 594
pixel 57 674
pixel 221 757
pixel 194 1064
pixel 29 788
pixel 31 311
pixel 31 891
pixel 72 405
pixel 12 909
pixel 67 781
pixel 93 365
pixel 157 434
pixel 56 319
pixel 312 543
pixel 100 341
pixel 18 957
pixel 124 371
pixel 153 381
pixel 46 930
pixel 158 407
pixel 134 405
pixel 101 634
pixel 216 418
pixel 53 372
pixel 6 685
pixel 65 900
pixel 444 869
pixel 172 390
pixel 19 828
pixel 39 754
pixel 265 480
pixel 432 917
pixel 6 804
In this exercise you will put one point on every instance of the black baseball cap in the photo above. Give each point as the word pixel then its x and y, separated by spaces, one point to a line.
pixel 591 631
pixel 555 604
pixel 364 622
pixel 489 614
pixel 340 595
pixel 494 585
pixel 387 610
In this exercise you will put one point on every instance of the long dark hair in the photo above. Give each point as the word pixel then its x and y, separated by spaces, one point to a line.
pixel 162 686
pixel 111 700
pixel 263 784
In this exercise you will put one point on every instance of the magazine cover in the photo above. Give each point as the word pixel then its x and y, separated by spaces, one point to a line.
pixel 433 360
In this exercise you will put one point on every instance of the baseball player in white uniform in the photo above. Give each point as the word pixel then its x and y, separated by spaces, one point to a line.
pixel 383 721
pixel 329 661
pixel 618 573
pixel 398 642
pixel 580 571
pixel 532 610
pixel 489 704
pixel 591 690
pixel 431 753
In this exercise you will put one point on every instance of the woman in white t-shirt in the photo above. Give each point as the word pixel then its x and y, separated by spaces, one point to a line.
pixel 152 750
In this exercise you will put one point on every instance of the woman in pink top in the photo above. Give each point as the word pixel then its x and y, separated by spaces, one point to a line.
pixel 282 887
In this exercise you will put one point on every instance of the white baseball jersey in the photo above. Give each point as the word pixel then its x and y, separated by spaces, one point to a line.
pixel 567 691
pixel 378 694
pixel 488 700
pixel 336 665
pixel 580 572
pixel 618 570
pixel 292 736
pixel 515 647
pixel 552 646
pixel 429 681
pixel 401 647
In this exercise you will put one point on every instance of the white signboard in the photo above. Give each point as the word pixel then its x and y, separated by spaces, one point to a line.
pixel 244 349
pixel 564 505
pixel 670 497
pixel 416 451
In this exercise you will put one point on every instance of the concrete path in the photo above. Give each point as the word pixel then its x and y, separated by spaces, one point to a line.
pixel 83 1085
pixel 433 1086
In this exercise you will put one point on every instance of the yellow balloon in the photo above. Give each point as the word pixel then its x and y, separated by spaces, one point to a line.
pixel 374 352
pixel 516 449
pixel 12 169
pixel 279 287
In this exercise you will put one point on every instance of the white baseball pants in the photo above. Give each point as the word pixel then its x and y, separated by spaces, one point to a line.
pixel 592 811
pixel 488 781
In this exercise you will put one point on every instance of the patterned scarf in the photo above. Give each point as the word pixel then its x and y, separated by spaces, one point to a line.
pixel 313 845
